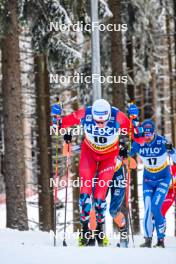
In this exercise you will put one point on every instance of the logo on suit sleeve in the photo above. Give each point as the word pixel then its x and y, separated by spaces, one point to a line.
pixel 89 118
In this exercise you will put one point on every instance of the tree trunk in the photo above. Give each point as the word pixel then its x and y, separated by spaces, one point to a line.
pixel 118 93
pixel 154 96
pixel 174 2
pixel 134 179
pixel 173 127
pixel 14 160
pixel 44 144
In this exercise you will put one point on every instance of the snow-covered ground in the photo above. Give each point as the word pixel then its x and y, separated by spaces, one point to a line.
pixel 34 247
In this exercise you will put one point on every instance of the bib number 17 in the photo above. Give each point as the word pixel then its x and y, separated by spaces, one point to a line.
pixel 152 161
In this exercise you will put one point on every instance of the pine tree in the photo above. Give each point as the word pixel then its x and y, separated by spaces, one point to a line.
pixel 44 143
pixel 131 95
pixel 118 93
pixel 14 160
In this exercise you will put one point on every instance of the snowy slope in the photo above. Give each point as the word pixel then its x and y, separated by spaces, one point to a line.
pixel 37 248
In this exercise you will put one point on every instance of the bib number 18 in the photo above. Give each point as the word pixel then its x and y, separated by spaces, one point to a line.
pixel 101 140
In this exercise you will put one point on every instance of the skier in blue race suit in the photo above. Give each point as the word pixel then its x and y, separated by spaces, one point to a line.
pixel 156 179
pixel 117 207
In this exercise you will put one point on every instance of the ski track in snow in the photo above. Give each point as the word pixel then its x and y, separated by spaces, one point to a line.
pixel 35 247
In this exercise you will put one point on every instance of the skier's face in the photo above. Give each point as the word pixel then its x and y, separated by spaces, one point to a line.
pixel 148 137
pixel 101 124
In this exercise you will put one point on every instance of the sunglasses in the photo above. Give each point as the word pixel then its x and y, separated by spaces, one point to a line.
pixel 100 122
pixel 148 134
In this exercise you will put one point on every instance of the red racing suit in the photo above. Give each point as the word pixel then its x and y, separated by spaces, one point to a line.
pixel 99 153
pixel 171 195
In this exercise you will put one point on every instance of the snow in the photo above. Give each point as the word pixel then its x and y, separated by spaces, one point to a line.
pixel 107 12
pixel 31 247
pixel 36 247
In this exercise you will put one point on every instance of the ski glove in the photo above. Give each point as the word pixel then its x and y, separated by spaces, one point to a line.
pixel 68 138
pixel 56 110
pixel 170 148
pixel 123 152
pixel 133 110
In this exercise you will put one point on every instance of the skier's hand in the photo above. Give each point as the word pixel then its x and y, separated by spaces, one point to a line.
pixel 123 152
pixel 56 111
pixel 170 148
pixel 133 111
pixel 57 121
pixel 68 138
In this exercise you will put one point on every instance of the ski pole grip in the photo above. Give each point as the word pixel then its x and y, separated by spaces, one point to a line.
pixel 68 138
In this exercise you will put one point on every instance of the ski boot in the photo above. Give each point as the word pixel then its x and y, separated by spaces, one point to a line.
pixel 84 236
pixel 160 243
pixel 121 223
pixel 92 240
pixel 147 243
pixel 124 239
pixel 101 238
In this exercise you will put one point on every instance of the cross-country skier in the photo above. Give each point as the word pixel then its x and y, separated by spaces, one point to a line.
pixel 156 180
pixel 117 208
pixel 99 150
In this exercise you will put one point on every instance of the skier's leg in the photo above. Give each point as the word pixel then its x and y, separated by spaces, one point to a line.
pixel 167 202
pixel 104 180
pixel 87 170
pixel 117 193
pixel 157 201
pixel 105 175
pixel 117 206
pixel 148 191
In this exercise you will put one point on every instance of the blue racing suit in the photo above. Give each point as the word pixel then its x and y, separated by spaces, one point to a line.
pixel 156 180
pixel 117 207
pixel 117 190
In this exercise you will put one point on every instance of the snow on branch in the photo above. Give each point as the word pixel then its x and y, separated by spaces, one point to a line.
pixel 57 5
pixel 107 12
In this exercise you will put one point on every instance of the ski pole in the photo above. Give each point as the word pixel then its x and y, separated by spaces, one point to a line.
pixel 129 180
pixel 127 203
pixel 56 177
pixel 128 165
pixel 56 113
pixel 66 152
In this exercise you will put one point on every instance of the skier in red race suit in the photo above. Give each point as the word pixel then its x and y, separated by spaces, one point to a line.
pixel 171 195
pixel 102 126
